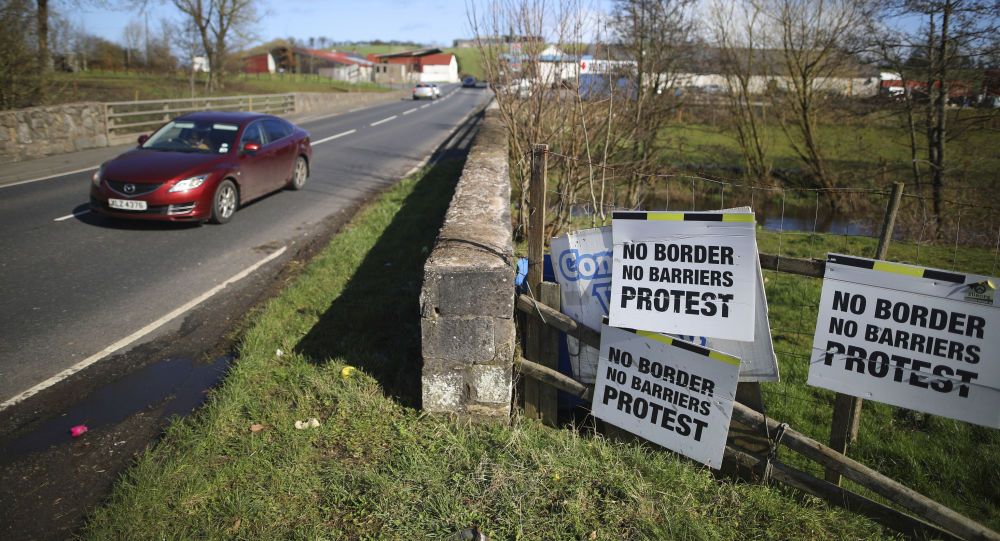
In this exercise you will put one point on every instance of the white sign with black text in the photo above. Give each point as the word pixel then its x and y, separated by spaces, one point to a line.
pixel 914 337
pixel 668 391
pixel 688 273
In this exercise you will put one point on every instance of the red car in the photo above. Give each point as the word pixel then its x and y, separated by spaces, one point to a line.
pixel 203 166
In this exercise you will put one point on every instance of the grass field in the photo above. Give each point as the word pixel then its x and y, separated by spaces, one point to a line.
pixel 378 468
pixel 866 151
pixel 128 86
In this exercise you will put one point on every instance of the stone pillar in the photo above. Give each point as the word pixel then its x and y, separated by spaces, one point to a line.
pixel 467 299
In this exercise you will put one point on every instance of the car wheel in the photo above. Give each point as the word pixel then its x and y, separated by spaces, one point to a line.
pixel 299 174
pixel 225 202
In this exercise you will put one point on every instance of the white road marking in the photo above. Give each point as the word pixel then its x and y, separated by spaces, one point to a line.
pixel 409 111
pixel 332 137
pixel 426 105
pixel 50 176
pixel 384 120
pixel 74 215
pixel 138 334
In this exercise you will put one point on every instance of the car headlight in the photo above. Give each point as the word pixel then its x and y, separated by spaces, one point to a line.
pixel 96 180
pixel 189 183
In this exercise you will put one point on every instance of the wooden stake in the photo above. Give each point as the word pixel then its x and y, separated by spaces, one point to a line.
pixel 536 216
pixel 847 408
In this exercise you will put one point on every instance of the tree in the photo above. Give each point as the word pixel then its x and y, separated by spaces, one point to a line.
pixel 42 20
pixel 218 23
pixel 737 32
pixel 935 60
pixel 812 36
pixel 132 35
pixel 657 35
pixel 20 81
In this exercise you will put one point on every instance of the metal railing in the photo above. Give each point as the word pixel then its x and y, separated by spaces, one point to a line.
pixel 126 119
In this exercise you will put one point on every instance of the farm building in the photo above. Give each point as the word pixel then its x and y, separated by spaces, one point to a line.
pixel 337 65
pixel 416 66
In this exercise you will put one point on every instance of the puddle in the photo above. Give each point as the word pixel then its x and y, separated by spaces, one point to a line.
pixel 182 381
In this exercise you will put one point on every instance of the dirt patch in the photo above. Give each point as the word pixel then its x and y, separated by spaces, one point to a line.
pixel 50 481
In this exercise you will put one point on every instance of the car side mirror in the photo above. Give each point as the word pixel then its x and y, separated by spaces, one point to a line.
pixel 251 147
pixel 142 139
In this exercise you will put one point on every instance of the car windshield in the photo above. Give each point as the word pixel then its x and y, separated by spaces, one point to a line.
pixel 194 136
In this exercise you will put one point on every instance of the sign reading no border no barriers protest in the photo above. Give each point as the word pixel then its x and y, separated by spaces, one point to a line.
pixel 695 277
pixel 671 392
pixel 583 260
pixel 914 337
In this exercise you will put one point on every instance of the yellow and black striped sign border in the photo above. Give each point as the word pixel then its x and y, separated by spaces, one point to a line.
pixel 682 216
pixel 896 268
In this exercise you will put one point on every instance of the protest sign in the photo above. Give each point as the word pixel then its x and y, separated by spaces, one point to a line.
pixel 582 265
pixel 689 273
pixel 583 270
pixel 668 391
pixel 914 337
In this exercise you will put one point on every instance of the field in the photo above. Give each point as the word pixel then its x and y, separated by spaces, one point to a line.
pixel 862 150
pixel 109 86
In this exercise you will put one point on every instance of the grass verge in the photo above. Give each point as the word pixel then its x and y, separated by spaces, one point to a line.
pixel 377 467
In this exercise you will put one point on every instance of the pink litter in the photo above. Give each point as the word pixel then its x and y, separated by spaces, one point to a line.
pixel 78 430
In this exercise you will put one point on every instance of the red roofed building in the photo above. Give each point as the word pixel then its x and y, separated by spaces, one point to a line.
pixel 337 65
pixel 416 66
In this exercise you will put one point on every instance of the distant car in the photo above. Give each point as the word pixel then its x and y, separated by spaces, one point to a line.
pixel 203 166
pixel 425 90
pixel 437 90
pixel 469 82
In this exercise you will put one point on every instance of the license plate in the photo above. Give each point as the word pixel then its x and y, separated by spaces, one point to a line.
pixel 127 204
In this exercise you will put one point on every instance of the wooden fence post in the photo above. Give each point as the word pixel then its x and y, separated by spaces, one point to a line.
pixel 536 215
pixel 534 330
pixel 847 408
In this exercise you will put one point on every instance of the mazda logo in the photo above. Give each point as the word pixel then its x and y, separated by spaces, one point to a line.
pixel 129 188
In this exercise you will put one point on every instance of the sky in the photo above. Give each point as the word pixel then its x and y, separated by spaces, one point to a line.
pixel 429 22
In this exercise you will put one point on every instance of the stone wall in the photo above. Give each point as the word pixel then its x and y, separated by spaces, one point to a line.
pixel 42 131
pixel 467 300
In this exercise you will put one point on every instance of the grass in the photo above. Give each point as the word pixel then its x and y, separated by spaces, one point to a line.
pixel 861 151
pixel 128 86
pixel 470 61
pixel 377 467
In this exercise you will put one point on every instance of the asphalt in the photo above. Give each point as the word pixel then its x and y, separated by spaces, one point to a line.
pixel 73 162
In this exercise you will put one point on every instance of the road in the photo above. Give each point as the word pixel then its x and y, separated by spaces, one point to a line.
pixel 77 286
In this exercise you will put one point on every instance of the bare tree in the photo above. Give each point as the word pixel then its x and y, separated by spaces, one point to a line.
pixel 930 59
pixel 20 82
pixel 737 29
pixel 657 35
pixel 132 35
pixel 607 117
pixel 811 37
pixel 218 23
pixel 42 32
